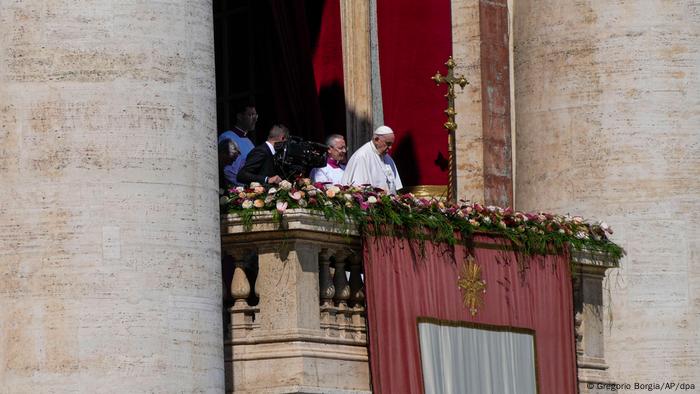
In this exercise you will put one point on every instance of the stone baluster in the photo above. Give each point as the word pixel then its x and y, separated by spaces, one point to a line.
pixel 240 287
pixel 342 291
pixel 242 314
pixel 357 299
pixel 326 290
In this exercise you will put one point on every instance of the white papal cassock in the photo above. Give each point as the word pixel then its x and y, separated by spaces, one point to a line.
pixel 367 166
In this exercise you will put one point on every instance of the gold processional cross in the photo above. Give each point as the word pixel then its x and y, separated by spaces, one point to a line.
pixel 450 125
pixel 471 285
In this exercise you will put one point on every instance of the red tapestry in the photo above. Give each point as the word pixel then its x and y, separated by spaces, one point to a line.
pixel 415 40
pixel 533 293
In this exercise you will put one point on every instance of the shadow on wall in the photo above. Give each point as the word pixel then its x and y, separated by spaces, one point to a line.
pixel 404 154
pixel 332 102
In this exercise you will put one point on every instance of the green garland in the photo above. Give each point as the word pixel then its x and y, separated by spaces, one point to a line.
pixel 377 213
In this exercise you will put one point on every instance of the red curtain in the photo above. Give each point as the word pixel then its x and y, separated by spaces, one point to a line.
pixel 415 40
pixel 533 293
pixel 324 26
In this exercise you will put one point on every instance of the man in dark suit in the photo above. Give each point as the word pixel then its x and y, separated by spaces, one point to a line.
pixel 260 164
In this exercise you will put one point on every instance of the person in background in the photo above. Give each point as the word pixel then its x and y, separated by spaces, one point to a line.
pixel 246 118
pixel 372 165
pixel 260 164
pixel 228 153
pixel 335 163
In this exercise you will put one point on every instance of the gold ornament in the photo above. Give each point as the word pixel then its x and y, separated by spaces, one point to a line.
pixel 471 285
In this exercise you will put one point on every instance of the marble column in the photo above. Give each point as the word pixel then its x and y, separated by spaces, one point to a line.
pixel 109 225
pixel 607 97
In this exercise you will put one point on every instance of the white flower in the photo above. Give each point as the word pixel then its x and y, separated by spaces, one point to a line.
pixel 239 189
pixel 285 185
pixel 347 196
pixel 486 220
pixel 254 184
pixel 296 195
pixel 581 235
pixel 561 231
pixel 303 203
pixel 269 199
pixel 371 199
pixel 606 227
pixel 247 204
pixel 281 206
pixel 272 191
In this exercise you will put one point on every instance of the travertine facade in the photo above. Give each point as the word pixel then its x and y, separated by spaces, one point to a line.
pixel 466 36
pixel 109 226
pixel 607 98
pixel 109 229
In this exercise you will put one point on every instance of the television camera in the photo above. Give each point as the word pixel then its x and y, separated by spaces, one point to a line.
pixel 296 157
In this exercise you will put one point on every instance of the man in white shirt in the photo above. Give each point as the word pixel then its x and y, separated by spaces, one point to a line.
pixel 332 173
pixel 372 165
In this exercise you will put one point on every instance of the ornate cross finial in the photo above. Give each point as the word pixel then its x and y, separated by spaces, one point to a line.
pixel 451 125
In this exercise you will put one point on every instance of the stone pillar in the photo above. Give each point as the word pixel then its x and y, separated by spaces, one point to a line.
pixel 357 71
pixel 466 38
pixel 589 312
pixel 607 97
pixel 109 232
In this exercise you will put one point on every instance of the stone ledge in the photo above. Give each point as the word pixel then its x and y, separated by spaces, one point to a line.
pixel 593 259
pixel 298 349
pixel 303 390
pixel 304 335
pixel 293 219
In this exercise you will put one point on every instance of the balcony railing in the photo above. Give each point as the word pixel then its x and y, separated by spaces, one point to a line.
pixel 297 324
pixel 297 309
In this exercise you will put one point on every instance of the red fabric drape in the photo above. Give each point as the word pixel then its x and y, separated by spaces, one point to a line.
pixel 291 78
pixel 328 64
pixel 415 40
pixel 401 286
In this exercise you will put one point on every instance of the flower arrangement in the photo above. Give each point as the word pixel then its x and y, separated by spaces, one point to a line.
pixel 406 215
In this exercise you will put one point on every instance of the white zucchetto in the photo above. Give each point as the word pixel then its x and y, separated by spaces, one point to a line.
pixel 383 130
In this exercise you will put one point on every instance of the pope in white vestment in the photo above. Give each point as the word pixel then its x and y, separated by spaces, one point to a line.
pixel 372 165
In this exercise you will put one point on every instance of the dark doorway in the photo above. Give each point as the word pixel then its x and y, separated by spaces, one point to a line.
pixel 275 53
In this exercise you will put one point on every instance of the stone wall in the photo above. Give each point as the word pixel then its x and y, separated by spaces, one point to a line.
pixel 109 236
pixel 607 98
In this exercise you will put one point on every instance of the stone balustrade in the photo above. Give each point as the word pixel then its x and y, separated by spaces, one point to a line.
pixel 297 319
pixel 297 322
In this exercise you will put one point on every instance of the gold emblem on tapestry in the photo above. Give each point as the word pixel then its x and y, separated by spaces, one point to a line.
pixel 471 285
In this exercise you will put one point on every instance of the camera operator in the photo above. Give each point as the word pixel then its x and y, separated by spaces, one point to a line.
pixel 260 164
